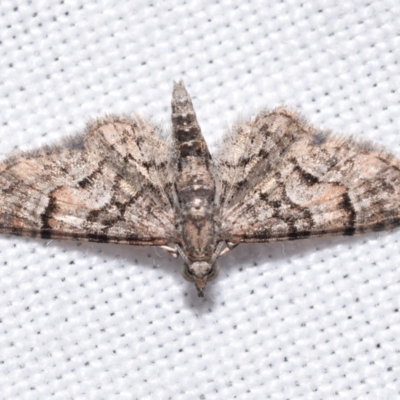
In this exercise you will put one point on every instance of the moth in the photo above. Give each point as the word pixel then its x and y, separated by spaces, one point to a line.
pixel 274 177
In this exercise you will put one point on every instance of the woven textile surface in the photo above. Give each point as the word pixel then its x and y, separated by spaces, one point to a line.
pixel 310 319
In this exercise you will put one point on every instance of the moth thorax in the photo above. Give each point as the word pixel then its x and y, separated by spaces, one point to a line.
pixel 198 209
pixel 200 269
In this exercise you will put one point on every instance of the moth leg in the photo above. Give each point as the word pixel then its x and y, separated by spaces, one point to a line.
pixel 230 246
pixel 174 252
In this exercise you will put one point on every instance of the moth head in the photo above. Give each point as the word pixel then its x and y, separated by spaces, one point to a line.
pixel 200 272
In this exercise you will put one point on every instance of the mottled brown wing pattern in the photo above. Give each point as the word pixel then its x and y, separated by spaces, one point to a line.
pixel 285 179
pixel 274 178
pixel 104 186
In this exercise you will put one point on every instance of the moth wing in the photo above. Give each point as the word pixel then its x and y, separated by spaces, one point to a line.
pixel 283 179
pixel 111 184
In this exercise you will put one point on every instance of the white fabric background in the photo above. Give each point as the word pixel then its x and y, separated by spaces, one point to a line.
pixel 313 319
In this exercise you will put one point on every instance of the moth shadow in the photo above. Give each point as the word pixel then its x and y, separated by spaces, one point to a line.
pixel 148 257
pixel 153 257
pixel 102 256
pixel 250 255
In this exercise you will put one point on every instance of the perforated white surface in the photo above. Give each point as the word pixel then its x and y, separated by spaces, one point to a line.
pixel 313 319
